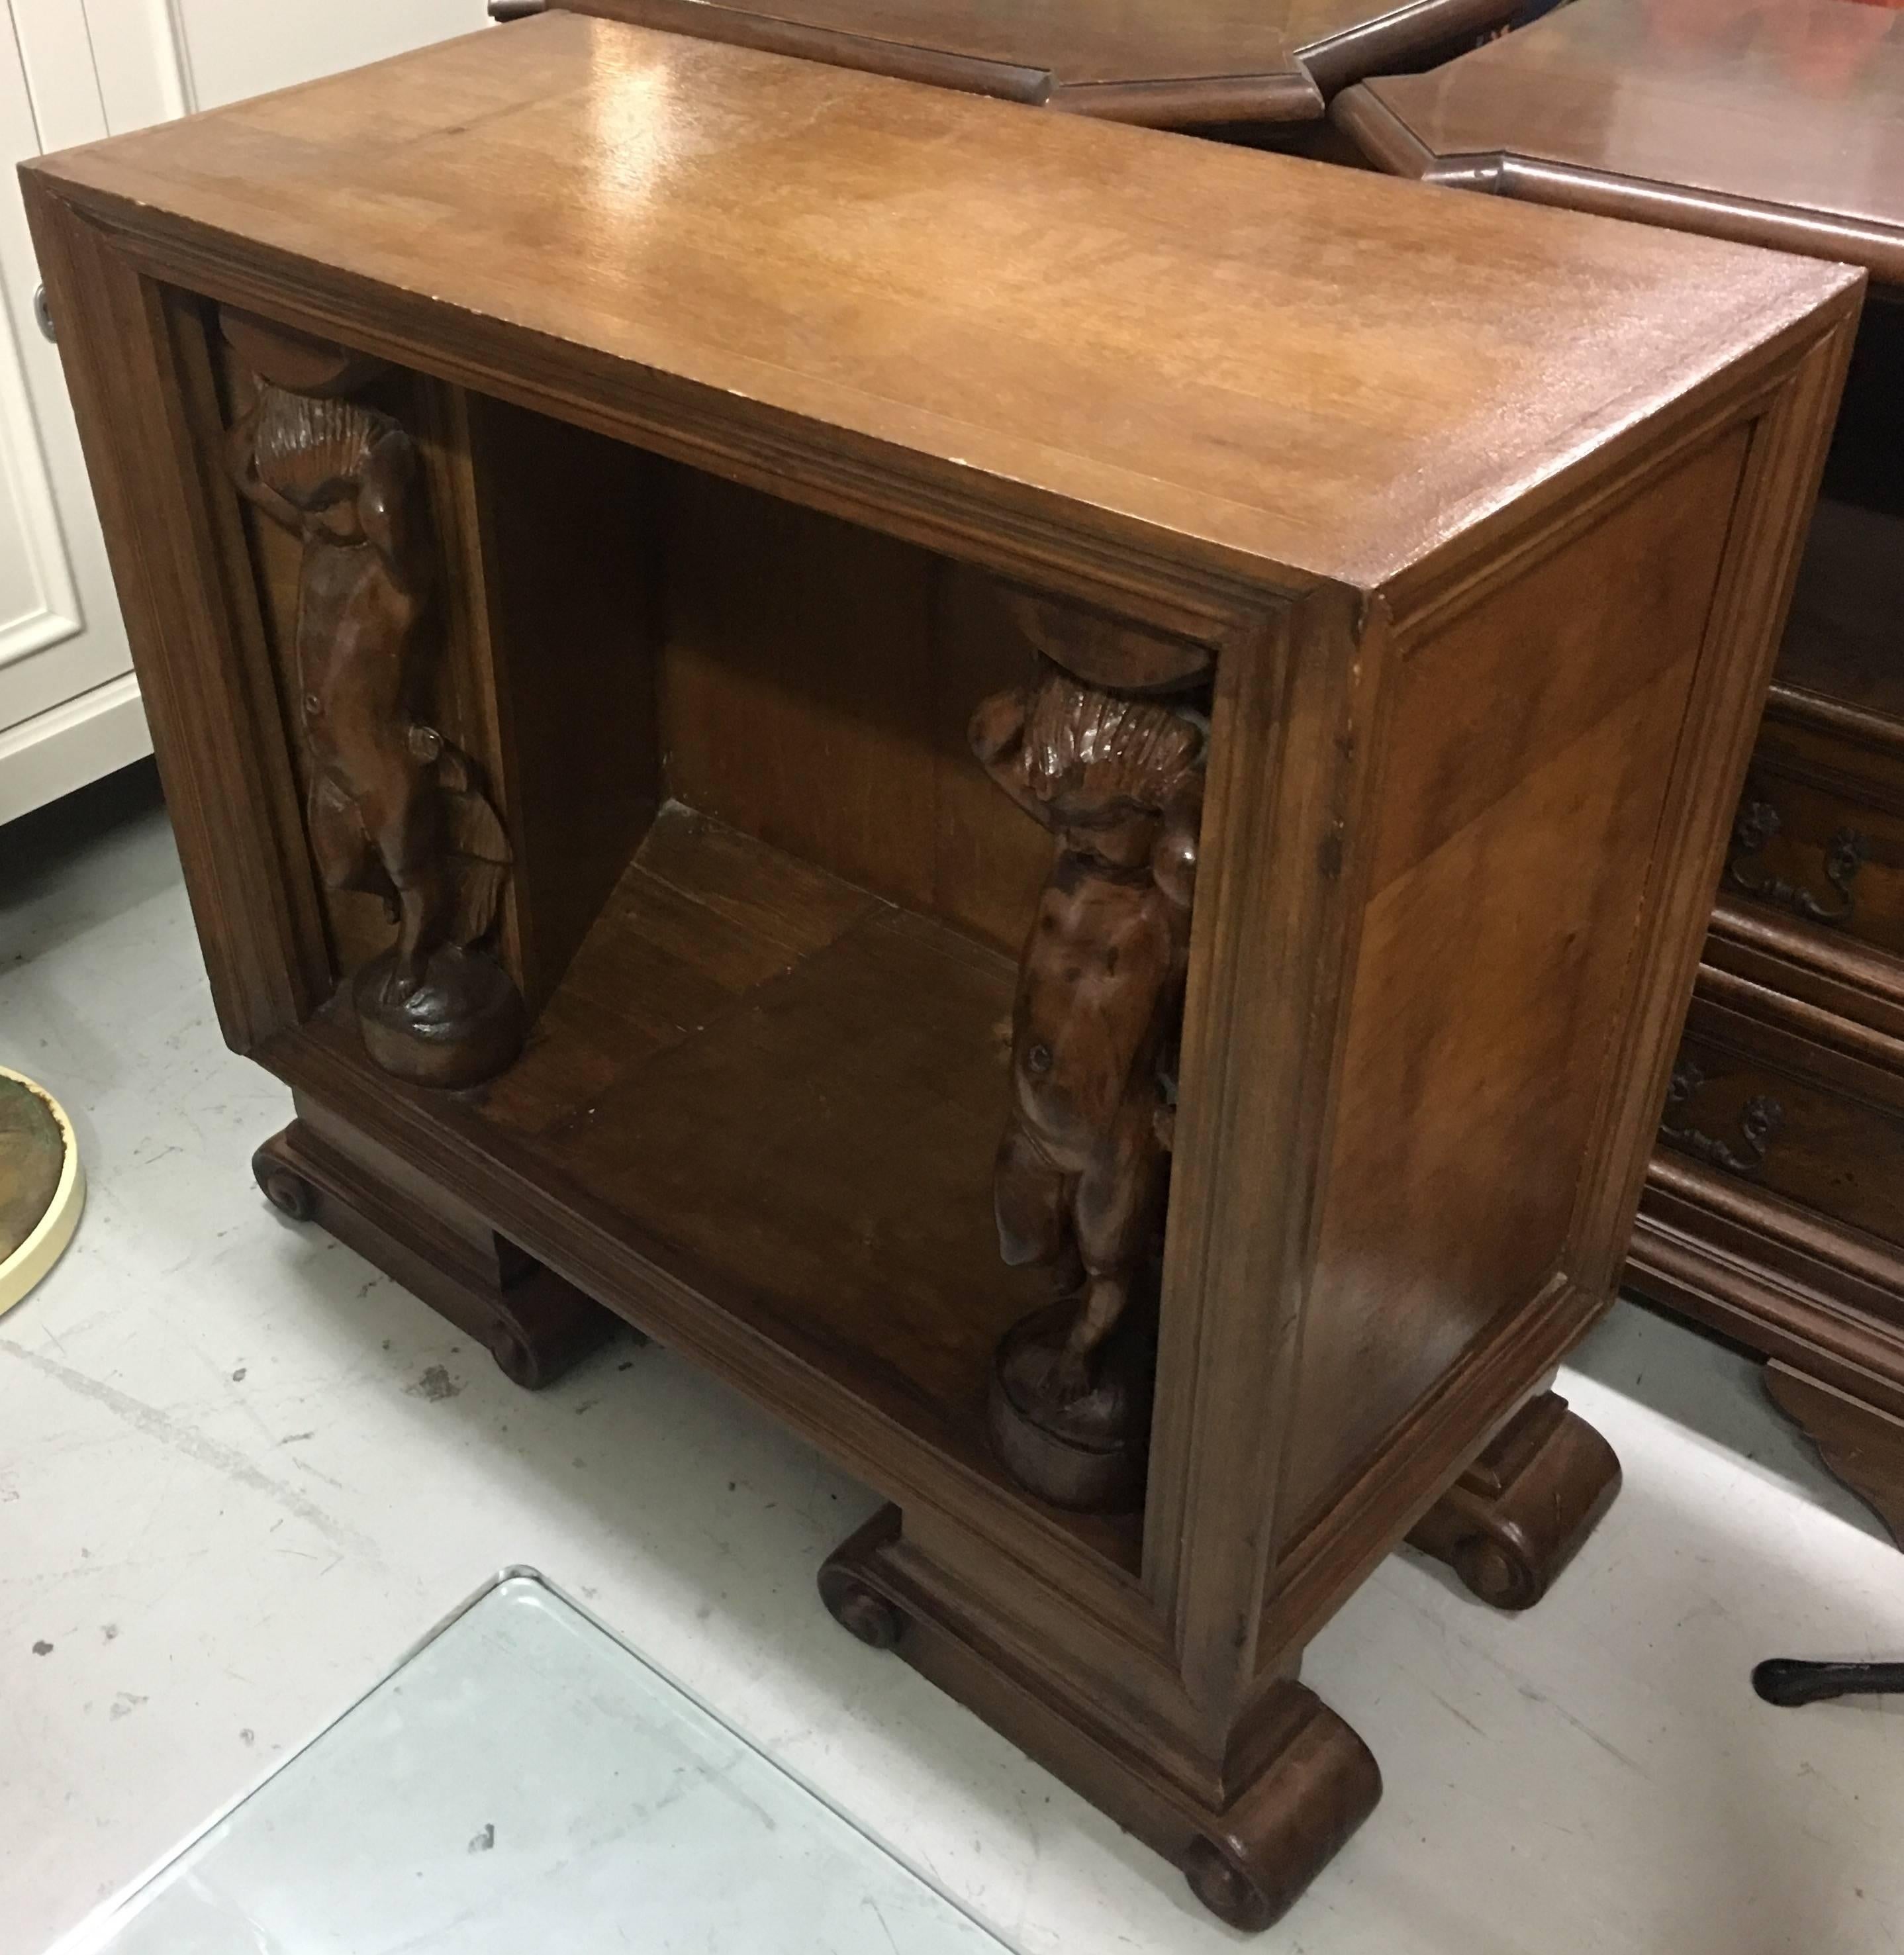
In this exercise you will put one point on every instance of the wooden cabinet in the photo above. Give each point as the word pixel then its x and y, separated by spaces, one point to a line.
pixel 1774 1208
pixel 1075 868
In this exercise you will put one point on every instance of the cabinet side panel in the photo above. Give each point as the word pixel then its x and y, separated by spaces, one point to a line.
pixel 139 370
pixel 566 549
pixel 1531 747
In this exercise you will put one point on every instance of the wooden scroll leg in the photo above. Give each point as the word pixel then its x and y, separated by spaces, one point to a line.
pixel 536 1326
pixel 1518 1515
pixel 1321 1782
pixel 1311 1782
pixel 1861 1445
pixel 851 1601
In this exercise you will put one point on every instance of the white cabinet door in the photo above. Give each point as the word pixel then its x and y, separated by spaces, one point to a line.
pixel 236 47
pixel 69 708
pixel 71 71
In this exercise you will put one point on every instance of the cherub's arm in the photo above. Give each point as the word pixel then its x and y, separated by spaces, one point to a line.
pixel 997 737
pixel 241 459
pixel 390 507
pixel 1173 861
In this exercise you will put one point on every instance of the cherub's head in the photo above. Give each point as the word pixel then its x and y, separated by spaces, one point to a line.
pixel 318 456
pixel 1108 765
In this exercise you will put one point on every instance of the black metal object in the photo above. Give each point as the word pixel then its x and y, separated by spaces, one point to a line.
pixel 515 10
pixel 1784 1680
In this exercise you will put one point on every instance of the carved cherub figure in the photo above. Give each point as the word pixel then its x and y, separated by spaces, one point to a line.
pixel 392 808
pixel 1081 1172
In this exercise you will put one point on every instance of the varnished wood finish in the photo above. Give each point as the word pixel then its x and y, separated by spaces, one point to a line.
pixel 1520 1513
pixel 1735 120
pixel 1485 604
pixel 1191 64
pixel 1462 824
pixel 1771 1212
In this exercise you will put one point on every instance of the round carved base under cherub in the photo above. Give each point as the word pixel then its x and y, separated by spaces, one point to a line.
pixel 463 1024
pixel 1086 1452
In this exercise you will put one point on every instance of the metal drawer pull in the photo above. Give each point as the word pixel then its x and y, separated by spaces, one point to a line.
pixel 1758 826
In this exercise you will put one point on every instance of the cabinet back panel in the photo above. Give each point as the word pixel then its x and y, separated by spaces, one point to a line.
pixel 816 682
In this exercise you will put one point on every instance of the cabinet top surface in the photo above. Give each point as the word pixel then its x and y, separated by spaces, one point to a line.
pixel 1327 373
pixel 1788 109
pixel 1176 65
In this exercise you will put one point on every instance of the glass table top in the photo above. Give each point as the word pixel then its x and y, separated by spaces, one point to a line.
pixel 525 1781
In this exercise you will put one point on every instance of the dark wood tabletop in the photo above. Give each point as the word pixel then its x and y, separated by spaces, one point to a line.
pixel 1184 64
pixel 1776 122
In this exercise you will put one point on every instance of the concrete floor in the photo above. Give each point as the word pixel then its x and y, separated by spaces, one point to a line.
pixel 240 1471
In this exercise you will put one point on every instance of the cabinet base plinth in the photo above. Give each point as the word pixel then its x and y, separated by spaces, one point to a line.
pixel 536 1326
pixel 1519 1515
pixel 1248 1861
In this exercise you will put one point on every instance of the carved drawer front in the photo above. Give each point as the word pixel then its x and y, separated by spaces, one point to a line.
pixel 1819 834
pixel 1756 1104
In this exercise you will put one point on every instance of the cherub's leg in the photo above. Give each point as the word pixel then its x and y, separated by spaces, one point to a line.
pixel 398 812
pixel 1114 1212
pixel 337 837
pixel 1029 1196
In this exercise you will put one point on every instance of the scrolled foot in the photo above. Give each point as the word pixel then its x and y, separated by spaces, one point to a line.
pixel 289 1193
pixel 1227 1888
pixel 1250 1866
pixel 861 1611
pixel 851 1598
pixel 536 1326
pixel 1520 1513
pixel 1500 1573
pixel 515 1359
pixel 541 1328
